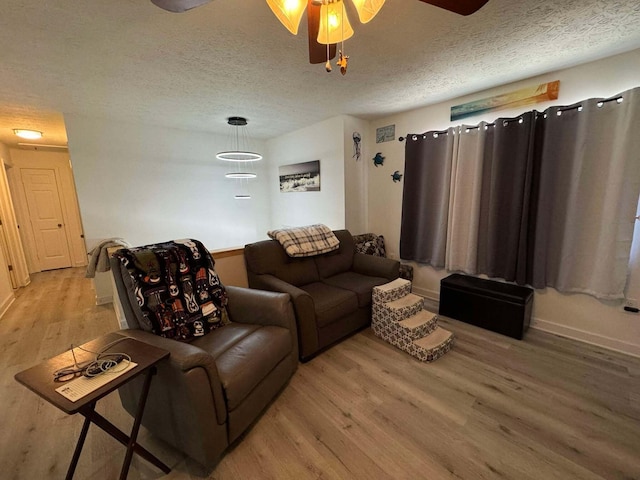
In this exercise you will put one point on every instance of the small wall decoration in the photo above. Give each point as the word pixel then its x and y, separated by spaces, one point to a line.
pixel 378 159
pixel 385 134
pixel 525 96
pixel 397 176
pixel 300 177
pixel 357 138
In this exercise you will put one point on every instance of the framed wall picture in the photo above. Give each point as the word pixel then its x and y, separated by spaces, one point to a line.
pixel 300 177
pixel 386 134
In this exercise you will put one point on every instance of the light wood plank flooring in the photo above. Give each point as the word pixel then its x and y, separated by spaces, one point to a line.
pixel 492 408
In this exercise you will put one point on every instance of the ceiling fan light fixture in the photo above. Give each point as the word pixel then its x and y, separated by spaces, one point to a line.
pixel 334 23
pixel 367 9
pixel 28 134
pixel 289 12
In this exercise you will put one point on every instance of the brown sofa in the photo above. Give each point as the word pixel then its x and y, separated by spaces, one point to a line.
pixel 331 292
pixel 209 391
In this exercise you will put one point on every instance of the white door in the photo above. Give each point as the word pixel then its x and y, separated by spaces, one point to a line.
pixel 45 213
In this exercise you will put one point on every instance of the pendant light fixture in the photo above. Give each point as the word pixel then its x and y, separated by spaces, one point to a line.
pixel 240 154
pixel 241 136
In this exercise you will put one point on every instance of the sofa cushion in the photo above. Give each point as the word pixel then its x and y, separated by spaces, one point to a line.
pixel 339 260
pixel 245 364
pixel 370 244
pixel 269 257
pixel 360 284
pixel 330 303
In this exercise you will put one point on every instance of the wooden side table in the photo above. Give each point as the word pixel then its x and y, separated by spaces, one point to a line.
pixel 39 379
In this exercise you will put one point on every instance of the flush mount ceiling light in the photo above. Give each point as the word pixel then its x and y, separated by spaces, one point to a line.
pixel 241 137
pixel 28 134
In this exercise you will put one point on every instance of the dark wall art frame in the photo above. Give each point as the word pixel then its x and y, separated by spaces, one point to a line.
pixel 300 177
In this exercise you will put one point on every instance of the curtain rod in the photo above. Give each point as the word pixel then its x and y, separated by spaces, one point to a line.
pixel 600 103
pixel 441 132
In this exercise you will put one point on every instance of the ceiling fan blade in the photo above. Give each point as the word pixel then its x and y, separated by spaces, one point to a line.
pixel 462 7
pixel 317 51
pixel 178 6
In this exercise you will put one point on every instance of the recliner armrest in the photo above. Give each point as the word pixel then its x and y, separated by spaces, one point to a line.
pixel 262 307
pixel 376 266
pixel 184 357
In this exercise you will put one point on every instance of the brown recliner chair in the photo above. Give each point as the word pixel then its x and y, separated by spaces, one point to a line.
pixel 209 391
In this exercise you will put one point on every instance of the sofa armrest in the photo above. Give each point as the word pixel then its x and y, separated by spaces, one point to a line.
pixel 183 358
pixel 260 307
pixel 376 266
pixel 303 307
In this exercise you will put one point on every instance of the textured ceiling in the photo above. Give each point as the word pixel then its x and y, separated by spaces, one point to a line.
pixel 131 61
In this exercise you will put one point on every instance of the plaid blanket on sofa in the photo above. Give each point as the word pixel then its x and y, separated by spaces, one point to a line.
pixel 306 241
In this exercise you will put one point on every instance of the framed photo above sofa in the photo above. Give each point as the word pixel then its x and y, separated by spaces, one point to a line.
pixel 300 177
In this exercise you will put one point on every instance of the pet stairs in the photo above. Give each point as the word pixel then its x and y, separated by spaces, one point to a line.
pixel 398 317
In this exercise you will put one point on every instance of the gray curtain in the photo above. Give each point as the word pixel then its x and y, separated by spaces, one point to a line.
pixel 464 239
pixel 546 199
pixel 506 193
pixel 587 183
pixel 425 198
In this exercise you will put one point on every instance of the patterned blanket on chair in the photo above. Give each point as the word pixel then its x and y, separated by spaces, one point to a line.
pixel 177 288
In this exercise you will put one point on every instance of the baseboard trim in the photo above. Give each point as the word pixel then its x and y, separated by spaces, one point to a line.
pixel 6 304
pixel 586 337
pixel 104 300
pixel 560 330
pixel 423 292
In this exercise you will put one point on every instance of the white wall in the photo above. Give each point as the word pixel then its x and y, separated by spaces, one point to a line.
pixel 149 184
pixel 323 141
pixel 578 316
pixel 355 176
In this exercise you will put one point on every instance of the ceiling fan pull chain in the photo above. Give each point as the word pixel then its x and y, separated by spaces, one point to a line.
pixel 327 66
pixel 343 59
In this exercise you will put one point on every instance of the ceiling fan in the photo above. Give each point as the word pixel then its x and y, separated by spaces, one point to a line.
pixel 322 44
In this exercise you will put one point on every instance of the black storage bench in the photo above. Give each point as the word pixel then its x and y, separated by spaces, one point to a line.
pixel 496 306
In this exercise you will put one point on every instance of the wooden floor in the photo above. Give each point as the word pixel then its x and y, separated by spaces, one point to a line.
pixel 492 408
